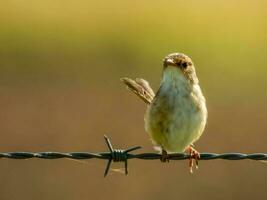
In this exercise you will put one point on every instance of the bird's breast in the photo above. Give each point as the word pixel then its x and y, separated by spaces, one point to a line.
pixel 177 116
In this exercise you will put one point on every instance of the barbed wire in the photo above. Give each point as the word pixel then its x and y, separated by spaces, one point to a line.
pixel 123 155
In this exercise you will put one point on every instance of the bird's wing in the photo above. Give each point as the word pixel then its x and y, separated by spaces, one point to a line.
pixel 141 88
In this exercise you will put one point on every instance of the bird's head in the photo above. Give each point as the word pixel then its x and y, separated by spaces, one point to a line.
pixel 180 64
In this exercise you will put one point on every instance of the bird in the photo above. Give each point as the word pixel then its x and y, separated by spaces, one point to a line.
pixel 176 115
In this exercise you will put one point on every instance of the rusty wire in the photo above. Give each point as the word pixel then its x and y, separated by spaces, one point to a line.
pixel 123 155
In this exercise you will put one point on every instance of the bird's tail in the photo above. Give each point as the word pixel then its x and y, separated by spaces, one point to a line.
pixel 141 88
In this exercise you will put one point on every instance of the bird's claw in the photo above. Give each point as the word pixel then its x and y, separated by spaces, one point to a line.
pixel 164 156
pixel 194 155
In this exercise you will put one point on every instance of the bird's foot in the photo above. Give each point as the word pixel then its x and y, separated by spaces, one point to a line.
pixel 194 155
pixel 164 156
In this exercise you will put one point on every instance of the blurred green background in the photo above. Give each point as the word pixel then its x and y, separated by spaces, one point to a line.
pixel 60 64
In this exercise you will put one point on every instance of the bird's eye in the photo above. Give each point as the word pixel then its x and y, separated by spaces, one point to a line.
pixel 184 65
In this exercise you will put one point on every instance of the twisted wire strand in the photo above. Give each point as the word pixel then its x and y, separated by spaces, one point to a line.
pixel 121 155
pixel 118 153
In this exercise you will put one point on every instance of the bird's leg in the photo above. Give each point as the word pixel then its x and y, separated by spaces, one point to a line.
pixel 194 155
pixel 164 156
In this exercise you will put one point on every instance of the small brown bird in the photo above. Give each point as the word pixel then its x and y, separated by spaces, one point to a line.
pixel 176 116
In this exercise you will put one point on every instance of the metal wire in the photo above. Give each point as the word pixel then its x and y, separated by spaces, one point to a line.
pixel 123 155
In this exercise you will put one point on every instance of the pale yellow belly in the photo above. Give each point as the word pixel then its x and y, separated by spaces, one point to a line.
pixel 174 125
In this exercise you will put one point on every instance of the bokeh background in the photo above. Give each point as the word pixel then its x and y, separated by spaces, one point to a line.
pixel 60 64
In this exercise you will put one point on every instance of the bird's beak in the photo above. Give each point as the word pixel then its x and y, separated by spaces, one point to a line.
pixel 170 62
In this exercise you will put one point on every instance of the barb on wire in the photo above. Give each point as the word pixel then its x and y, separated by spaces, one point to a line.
pixel 118 155
pixel 121 155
